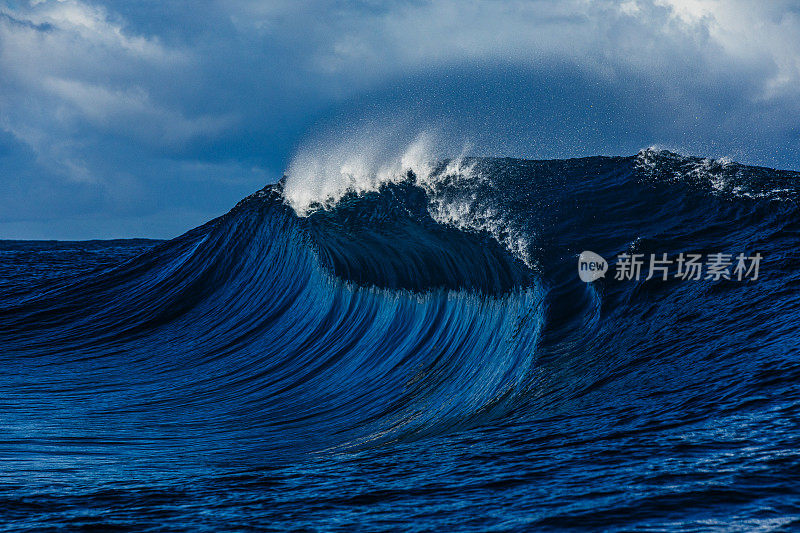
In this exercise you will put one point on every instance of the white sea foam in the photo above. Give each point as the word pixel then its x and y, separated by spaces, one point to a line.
pixel 322 173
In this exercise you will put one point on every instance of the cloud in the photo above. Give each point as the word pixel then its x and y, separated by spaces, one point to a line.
pixel 108 107
pixel 83 100
pixel 368 40
pixel 70 71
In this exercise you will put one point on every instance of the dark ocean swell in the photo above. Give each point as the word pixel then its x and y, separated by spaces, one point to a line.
pixel 422 353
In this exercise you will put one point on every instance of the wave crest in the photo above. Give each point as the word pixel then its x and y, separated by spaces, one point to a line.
pixel 319 177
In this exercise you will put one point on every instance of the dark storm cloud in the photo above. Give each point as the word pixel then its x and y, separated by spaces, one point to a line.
pixel 145 118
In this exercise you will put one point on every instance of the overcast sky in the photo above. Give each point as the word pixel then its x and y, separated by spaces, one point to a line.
pixel 147 118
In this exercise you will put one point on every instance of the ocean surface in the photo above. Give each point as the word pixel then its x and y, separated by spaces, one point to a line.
pixel 416 353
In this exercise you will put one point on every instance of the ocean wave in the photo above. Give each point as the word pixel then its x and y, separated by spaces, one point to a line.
pixel 436 301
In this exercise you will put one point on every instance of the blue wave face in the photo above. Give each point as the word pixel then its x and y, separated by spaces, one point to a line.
pixel 425 347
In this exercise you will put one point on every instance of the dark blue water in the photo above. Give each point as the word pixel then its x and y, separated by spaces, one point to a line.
pixel 372 366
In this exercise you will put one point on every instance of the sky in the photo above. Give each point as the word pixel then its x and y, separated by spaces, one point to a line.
pixel 145 119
